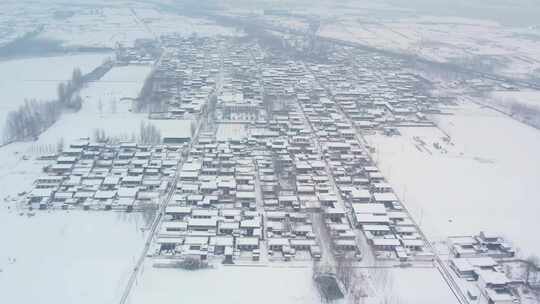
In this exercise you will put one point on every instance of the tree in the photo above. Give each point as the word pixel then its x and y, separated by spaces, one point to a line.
pixel 193 128
pixel 60 145
pixel 77 78
pixel 61 91
pixel 76 103
pixel 149 134
pixel 30 119
pixel 100 136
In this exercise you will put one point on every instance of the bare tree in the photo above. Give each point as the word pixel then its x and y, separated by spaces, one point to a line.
pixel 149 134
pixel 60 145
pixel 61 91
pixel 77 78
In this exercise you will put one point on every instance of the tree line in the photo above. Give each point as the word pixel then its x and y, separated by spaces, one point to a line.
pixel 34 117
pixel 149 134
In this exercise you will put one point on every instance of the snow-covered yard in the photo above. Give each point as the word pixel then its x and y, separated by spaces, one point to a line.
pixel 485 179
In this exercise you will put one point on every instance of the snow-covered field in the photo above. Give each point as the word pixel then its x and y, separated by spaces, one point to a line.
pixel 109 26
pixel 227 284
pixel 417 286
pixel 162 22
pixel 38 78
pixel 278 283
pixel 67 257
pixel 98 27
pixel 512 50
pixel 106 106
pixel 486 179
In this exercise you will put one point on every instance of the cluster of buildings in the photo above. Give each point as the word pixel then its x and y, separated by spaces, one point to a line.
pixel 332 164
pixel 376 92
pixel 482 263
pixel 300 172
pixel 184 77
pixel 225 205
pixel 308 156
pixel 213 209
pixel 241 96
pixel 143 52
pixel 93 175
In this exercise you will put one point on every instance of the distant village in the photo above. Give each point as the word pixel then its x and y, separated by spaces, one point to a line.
pixel 273 168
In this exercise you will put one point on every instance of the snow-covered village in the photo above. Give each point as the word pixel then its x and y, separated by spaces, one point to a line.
pixel 269 152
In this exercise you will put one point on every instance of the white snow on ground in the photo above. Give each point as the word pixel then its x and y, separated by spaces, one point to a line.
pixel 418 286
pixel 104 107
pixel 67 257
pixel 444 39
pixel 161 22
pixel 98 27
pixel 107 106
pixel 488 180
pixel 17 173
pixel 227 284
pixel 38 78
pixel 109 26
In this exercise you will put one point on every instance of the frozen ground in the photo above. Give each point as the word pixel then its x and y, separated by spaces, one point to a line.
pixel 38 78
pixel 67 257
pixel 486 179
pixel 227 284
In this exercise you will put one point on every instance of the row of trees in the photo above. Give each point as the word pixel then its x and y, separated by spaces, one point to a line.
pixel 146 100
pixel 67 96
pixel 34 117
pixel 31 119
pixel 526 113
pixel 149 134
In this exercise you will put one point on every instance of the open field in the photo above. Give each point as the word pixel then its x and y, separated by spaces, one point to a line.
pixel 38 78
pixel 233 284
pixel 67 257
pixel 418 286
pixel 107 106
